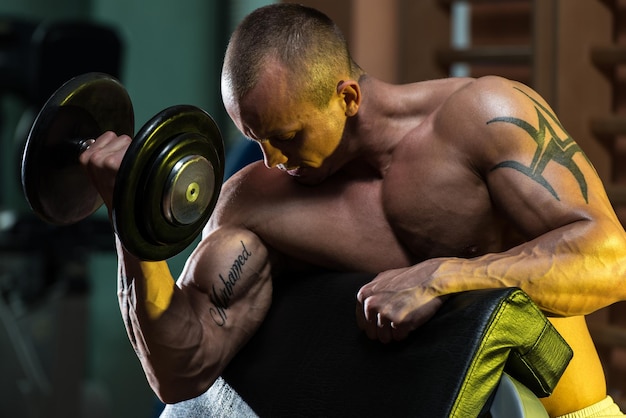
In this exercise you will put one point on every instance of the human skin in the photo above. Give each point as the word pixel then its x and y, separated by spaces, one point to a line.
pixel 438 187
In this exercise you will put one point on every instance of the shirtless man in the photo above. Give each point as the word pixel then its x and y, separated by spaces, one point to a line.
pixel 439 187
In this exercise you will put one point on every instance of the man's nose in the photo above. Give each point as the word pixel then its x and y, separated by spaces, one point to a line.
pixel 272 156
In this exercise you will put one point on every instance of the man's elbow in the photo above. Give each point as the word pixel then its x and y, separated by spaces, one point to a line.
pixel 182 382
pixel 172 391
pixel 612 259
pixel 176 395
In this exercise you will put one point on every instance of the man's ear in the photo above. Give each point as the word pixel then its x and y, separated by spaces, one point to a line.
pixel 350 91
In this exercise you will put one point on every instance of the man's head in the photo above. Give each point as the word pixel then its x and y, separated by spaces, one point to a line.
pixel 303 39
pixel 288 83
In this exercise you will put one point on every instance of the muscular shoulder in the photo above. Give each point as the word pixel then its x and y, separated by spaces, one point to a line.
pixel 491 92
pixel 242 195
pixel 485 117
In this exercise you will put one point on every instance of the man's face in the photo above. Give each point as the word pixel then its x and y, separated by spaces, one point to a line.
pixel 295 135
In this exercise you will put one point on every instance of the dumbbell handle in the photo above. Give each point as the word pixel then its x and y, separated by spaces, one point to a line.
pixel 84 144
pixel 68 152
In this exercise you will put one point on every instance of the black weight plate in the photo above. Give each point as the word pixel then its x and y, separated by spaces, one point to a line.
pixel 54 183
pixel 138 218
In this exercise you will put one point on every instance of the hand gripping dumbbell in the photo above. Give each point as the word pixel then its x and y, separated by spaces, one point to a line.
pixel 168 181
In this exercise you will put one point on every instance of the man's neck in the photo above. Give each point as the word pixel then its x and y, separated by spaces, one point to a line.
pixel 373 132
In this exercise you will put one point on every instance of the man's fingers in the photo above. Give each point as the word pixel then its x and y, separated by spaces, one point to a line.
pixel 400 331
pixel 376 325
pixel 394 317
pixel 363 294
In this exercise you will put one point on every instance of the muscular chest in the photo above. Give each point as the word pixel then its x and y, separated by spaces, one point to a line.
pixel 437 206
pixel 421 208
pixel 339 224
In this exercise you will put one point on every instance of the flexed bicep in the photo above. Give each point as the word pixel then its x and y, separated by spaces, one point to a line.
pixel 228 279
pixel 186 332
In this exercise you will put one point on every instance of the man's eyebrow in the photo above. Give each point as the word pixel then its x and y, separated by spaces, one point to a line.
pixel 275 134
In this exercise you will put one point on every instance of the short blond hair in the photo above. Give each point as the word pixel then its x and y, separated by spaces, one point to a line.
pixel 306 41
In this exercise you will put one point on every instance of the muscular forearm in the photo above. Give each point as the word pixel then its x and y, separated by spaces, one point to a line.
pixel 573 270
pixel 163 329
pixel 186 332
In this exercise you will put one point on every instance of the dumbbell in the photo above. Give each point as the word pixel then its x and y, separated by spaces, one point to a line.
pixel 168 182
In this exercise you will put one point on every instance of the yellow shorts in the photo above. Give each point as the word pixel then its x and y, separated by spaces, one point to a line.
pixel 603 409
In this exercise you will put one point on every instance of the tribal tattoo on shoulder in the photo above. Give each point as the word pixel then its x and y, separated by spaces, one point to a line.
pixel 551 147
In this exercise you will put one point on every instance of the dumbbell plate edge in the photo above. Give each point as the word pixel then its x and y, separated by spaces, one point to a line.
pixel 55 185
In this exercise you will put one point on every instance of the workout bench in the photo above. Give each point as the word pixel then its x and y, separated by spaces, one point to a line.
pixel 309 359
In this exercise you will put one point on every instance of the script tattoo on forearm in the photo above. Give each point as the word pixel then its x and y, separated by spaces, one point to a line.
pixel 221 296
pixel 550 147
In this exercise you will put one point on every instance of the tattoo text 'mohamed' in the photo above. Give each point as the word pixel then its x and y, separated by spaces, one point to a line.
pixel 221 296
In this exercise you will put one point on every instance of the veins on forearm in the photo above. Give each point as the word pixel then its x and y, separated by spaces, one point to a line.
pixel 551 147
pixel 127 300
